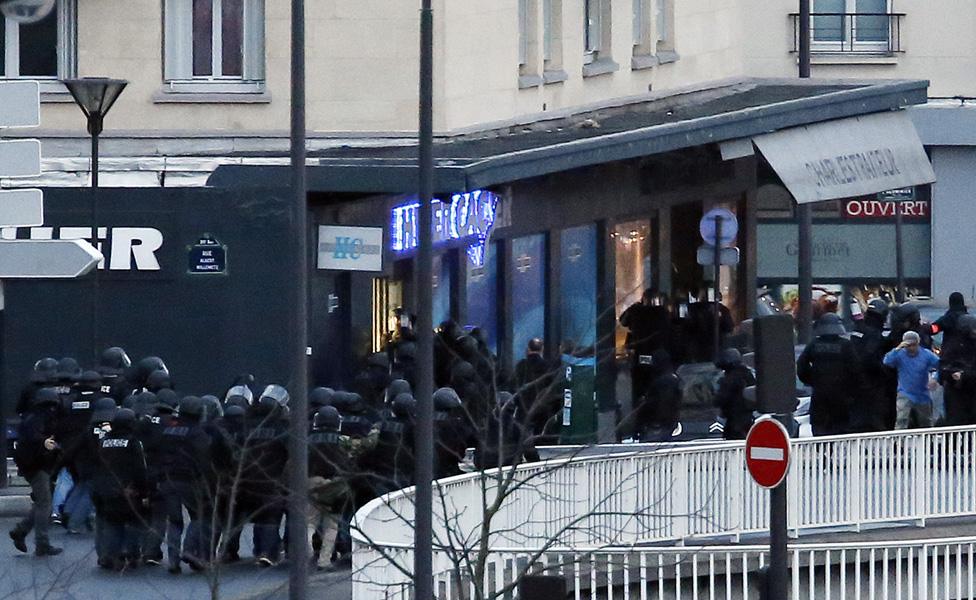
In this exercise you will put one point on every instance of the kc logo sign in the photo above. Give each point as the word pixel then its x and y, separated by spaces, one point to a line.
pixel 350 248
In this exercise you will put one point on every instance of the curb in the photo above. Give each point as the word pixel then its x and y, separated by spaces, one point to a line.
pixel 14 506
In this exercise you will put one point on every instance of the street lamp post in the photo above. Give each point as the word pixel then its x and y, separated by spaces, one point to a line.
pixel 95 96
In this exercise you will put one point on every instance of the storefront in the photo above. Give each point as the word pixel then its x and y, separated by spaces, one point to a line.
pixel 854 249
pixel 553 226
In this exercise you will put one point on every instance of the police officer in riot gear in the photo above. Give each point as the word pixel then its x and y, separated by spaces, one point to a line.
pixel 158 380
pixel 149 430
pixel 263 488
pixel 357 419
pixel 329 465
pixel 120 491
pixel 870 347
pixel 36 456
pixel 829 365
pixel 233 427
pixel 730 396
pixel 958 374
pixel 77 409
pixel 451 433
pixel 389 464
pixel 113 366
pixel 44 374
pixel 186 484
pixel 139 373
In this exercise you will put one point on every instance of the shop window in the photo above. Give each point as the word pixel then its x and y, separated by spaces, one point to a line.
pixel 577 288
pixel 632 242
pixel 387 295
pixel 482 297
pixel 441 284
pixel 214 45
pixel 528 267
pixel 44 50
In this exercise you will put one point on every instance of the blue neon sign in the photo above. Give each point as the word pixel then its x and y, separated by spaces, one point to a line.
pixel 469 215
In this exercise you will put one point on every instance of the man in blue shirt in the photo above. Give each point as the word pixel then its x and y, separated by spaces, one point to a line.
pixel 913 363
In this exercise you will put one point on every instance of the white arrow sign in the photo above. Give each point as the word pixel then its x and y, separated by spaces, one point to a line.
pixel 20 158
pixel 46 259
pixel 21 208
pixel 20 104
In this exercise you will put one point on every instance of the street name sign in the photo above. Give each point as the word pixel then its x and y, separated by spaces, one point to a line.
pixel 718 222
pixel 46 259
pixel 768 452
pixel 21 208
pixel 727 256
pixel 20 158
pixel 20 104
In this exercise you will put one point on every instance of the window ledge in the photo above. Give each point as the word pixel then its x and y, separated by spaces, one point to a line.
pixel 165 97
pixel 529 81
pixel 667 56
pixel 643 61
pixel 600 66
pixel 554 76
pixel 853 59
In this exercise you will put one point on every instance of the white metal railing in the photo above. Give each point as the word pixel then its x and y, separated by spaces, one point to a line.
pixel 679 494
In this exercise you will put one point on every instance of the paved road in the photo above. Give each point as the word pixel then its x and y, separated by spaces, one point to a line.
pixel 74 576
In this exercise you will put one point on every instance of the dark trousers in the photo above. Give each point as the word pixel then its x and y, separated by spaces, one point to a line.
pixel 38 519
pixel 176 496
pixel 155 531
pixel 267 527
pixel 960 405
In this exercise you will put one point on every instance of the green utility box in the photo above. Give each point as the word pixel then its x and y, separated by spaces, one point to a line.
pixel 579 414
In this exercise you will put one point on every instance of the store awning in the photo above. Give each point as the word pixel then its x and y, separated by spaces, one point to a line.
pixel 846 158
pixel 559 141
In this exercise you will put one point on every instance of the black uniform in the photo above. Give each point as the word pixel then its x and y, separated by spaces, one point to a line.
pixel 120 490
pixel 829 366
pixel 730 400
pixel 263 486
pixel 959 361
pixel 186 482
pixel 648 330
pixel 389 465
pixel 658 410
pixel 870 346
pixel 534 378
pixel 36 463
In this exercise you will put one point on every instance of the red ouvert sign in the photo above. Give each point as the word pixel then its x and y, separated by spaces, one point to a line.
pixel 768 452
pixel 881 209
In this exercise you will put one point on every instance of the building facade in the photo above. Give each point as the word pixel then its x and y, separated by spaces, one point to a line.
pixel 572 243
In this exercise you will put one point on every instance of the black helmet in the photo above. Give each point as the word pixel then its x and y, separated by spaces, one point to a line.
pixel 404 406
pixel 90 380
pixel 905 313
pixel 142 403
pixel 238 401
pixel 158 380
pixel 46 397
pixel 239 391
pixel 192 407
pixel 728 358
pixel 68 369
pixel 212 409
pixel 406 351
pixel 104 410
pixel 467 347
pixel 167 401
pixel 396 387
pixel 379 360
pixel 152 363
pixel 327 418
pixel 114 360
pixel 234 412
pixel 878 307
pixel 319 397
pixel 446 399
pixel 123 420
pixel 829 324
pixel 278 393
pixel 462 372
pixel 48 366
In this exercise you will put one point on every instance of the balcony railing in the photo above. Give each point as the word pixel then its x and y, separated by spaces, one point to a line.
pixel 852 33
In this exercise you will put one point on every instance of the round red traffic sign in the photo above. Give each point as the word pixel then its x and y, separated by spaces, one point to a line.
pixel 768 452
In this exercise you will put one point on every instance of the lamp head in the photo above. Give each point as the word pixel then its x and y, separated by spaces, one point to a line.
pixel 26 11
pixel 95 96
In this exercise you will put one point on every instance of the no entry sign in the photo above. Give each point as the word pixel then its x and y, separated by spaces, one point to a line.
pixel 768 452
